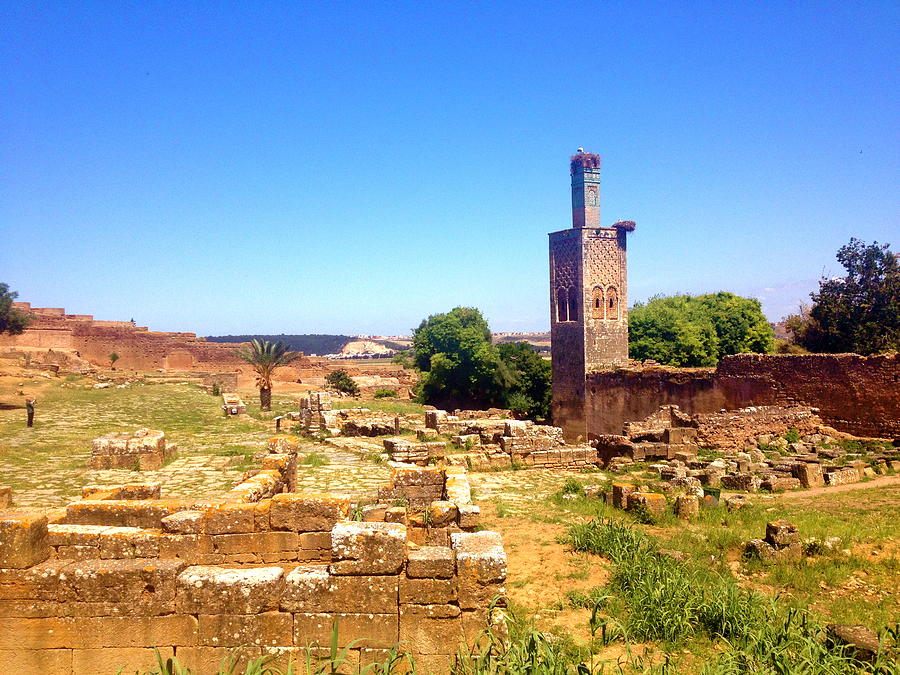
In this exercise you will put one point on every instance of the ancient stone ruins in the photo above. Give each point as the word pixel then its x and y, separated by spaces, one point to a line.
pixel 97 585
pixel 597 389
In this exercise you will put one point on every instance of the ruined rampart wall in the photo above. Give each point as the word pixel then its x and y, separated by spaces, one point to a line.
pixel 855 394
pixel 614 397
pixel 141 349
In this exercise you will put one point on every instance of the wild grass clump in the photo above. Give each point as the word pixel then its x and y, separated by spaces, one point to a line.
pixel 314 459
pixel 572 486
pixel 670 601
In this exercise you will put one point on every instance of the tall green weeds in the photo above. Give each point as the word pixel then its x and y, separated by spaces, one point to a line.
pixel 671 601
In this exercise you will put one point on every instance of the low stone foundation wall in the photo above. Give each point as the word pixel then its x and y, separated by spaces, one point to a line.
pixel 143 450
pixel 101 584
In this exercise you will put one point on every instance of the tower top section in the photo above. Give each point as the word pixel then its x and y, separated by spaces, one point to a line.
pixel 585 170
pixel 584 160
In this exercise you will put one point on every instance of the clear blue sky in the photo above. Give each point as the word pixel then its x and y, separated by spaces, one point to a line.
pixel 353 167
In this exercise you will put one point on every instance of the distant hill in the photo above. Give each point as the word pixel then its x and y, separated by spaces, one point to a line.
pixel 335 344
pixel 540 341
pixel 308 344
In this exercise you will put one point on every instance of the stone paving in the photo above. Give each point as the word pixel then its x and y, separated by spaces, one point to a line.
pixel 196 475
pixel 350 469
pixel 518 489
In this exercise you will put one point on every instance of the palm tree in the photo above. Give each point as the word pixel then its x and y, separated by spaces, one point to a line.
pixel 265 357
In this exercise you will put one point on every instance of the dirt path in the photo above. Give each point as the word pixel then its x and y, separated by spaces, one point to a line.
pixel 883 481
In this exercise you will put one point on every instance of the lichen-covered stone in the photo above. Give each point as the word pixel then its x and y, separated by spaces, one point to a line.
pixel 307 513
pixel 359 548
pixel 23 540
pixel 480 567
pixel 431 562
pixel 314 589
pixel 232 591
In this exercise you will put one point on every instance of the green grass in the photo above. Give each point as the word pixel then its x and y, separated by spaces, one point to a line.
pixel 313 460
pixel 70 415
pixel 670 602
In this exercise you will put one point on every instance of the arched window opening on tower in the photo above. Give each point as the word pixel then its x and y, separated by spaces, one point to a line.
pixel 612 303
pixel 562 305
pixel 597 302
pixel 573 304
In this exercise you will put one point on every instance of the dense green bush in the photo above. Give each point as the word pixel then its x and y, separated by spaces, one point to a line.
pixel 339 380
pixel 461 368
pixel 687 330
pixel 385 393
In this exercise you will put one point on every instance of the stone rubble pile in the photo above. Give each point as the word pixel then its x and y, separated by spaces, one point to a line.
pixel 144 450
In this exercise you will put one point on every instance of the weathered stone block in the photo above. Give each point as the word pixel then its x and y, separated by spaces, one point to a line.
pixel 374 631
pixel 256 542
pixel 469 516
pixel 480 567
pixel 128 542
pixel 232 591
pixel 416 591
pixel 842 476
pixel 23 540
pixel 781 534
pixel 432 629
pixel 780 484
pixel 654 503
pixel 183 522
pixel 229 519
pixel 144 513
pixel 307 513
pixel 862 640
pixel 441 513
pixel 368 548
pixel 313 589
pixel 268 629
pixel 620 492
pixel 60 534
pixel 757 548
pixel 124 587
pixel 21 660
pixel 809 474
pixel 741 481
pixel 431 562
pixel 687 507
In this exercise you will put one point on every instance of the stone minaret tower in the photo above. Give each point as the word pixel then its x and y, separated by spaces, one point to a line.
pixel 588 296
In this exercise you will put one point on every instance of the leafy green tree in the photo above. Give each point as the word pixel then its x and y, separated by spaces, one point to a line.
pixel 264 357
pixel 12 321
pixel 341 381
pixel 458 364
pixel 859 312
pixel 113 357
pixel 692 331
pixel 530 392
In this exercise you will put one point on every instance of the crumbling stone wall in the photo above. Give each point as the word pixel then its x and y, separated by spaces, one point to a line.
pixel 854 394
pixel 141 349
pixel 144 450
pixel 732 429
pixel 101 584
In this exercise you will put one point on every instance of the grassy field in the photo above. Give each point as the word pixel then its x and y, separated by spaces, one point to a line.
pixel 592 592
pixel 52 457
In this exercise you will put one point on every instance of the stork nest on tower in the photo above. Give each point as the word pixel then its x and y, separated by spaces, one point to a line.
pixel 585 160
